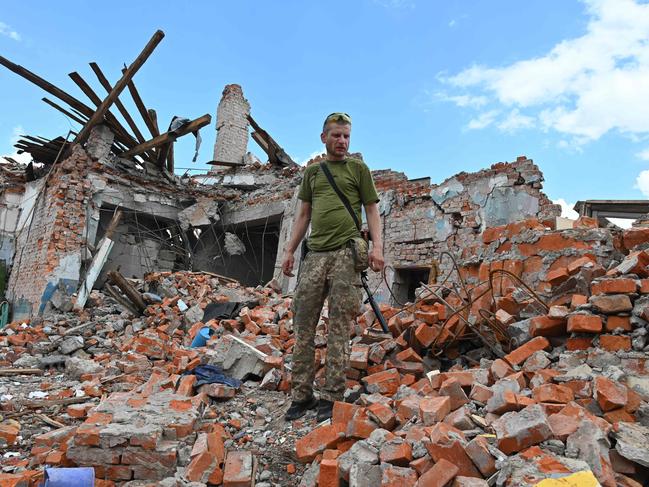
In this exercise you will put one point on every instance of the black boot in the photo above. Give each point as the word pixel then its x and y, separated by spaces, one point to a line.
pixel 299 408
pixel 325 408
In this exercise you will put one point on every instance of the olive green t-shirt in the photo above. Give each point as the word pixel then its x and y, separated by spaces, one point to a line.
pixel 331 223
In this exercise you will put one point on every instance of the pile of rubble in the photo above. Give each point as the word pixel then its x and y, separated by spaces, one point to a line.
pixel 481 383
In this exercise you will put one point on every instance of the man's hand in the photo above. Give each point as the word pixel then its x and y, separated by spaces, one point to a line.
pixel 287 264
pixel 376 259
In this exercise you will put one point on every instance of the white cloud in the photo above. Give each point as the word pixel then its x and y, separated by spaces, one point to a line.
pixel 452 23
pixel 483 120
pixel 25 157
pixel 644 155
pixel 515 121
pixel 462 100
pixel 642 182
pixel 585 86
pixel 5 30
pixel 566 209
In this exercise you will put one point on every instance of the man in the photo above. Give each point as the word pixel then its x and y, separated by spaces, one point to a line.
pixel 328 270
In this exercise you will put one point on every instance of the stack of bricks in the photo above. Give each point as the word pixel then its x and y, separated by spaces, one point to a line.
pixel 136 436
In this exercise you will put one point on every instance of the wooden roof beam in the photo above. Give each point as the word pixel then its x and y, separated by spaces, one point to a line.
pixel 98 115
pixel 169 136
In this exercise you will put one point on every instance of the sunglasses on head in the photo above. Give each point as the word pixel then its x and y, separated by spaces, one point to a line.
pixel 338 117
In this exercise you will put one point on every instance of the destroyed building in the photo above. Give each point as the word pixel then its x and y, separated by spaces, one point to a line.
pixel 234 220
pixel 517 346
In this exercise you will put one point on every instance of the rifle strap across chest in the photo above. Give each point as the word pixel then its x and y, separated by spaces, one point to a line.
pixel 340 194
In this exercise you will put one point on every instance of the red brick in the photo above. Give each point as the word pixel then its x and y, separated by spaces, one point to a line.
pixel 525 351
pixel 386 382
pixel 239 469
pixel 546 326
pixel 445 446
pixel 329 475
pixel 480 393
pixel 635 236
pixel 553 393
pixel 578 300
pixel 579 343
pixel 557 276
pixel 613 343
pixel 451 387
pixel 609 394
pixel 439 475
pixel 409 355
pixel 500 369
pixel 317 441
pixel 361 426
pixel 186 385
pixel 614 286
pixel 434 409
pixel 615 322
pixel 359 357
pixel 581 323
pixel 393 476
pixel 478 451
pixel 343 412
pixel 422 465
pixel 396 452
pixel 383 415
pixel 430 317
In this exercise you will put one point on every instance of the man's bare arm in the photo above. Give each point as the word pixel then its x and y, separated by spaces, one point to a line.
pixel 374 224
pixel 300 227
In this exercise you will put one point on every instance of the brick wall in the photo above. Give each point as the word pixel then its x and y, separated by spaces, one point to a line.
pixel 48 248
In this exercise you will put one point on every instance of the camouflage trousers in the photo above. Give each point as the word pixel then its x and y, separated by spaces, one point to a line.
pixel 329 275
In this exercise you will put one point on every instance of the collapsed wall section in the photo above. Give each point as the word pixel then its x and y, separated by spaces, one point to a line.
pixel 421 221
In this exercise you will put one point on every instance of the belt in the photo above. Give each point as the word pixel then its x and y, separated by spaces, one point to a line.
pixel 340 247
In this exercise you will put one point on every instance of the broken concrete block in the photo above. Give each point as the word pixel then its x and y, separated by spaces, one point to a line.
pixel 76 367
pixel 233 245
pixel 591 445
pixel 516 431
pixel 71 344
pixel 632 440
pixel 237 358
pixel 193 315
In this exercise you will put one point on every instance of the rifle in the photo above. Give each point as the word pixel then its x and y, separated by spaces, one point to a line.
pixel 373 303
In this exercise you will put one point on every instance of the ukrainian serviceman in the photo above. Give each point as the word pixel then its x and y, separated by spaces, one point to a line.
pixel 329 270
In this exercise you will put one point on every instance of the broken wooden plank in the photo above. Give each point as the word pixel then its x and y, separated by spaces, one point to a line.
pixel 120 131
pixel 120 106
pixel 49 421
pixel 98 262
pixel 169 136
pixel 127 288
pixel 4 372
pixel 55 402
pixel 120 299
pixel 98 115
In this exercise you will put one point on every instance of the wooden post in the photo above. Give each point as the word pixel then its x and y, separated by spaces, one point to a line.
pixel 119 86
pixel 131 293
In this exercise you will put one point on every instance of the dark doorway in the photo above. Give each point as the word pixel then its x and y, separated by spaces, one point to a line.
pixel 407 280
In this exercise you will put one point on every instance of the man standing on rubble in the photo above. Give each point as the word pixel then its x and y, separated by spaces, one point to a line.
pixel 329 270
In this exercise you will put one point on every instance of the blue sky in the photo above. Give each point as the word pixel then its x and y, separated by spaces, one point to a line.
pixel 434 87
